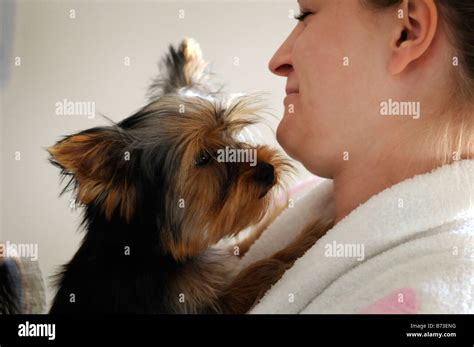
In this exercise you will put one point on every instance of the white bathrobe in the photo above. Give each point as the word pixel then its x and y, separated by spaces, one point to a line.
pixel 408 249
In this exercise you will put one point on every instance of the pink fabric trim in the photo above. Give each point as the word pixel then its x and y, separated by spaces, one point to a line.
pixel 398 302
pixel 298 189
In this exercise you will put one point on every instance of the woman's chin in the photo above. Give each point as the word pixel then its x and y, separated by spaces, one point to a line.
pixel 287 136
pixel 301 148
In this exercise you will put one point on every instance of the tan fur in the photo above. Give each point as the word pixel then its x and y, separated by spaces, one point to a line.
pixel 209 280
pixel 255 280
pixel 196 288
pixel 84 157
pixel 249 240
pixel 241 209
pixel 194 64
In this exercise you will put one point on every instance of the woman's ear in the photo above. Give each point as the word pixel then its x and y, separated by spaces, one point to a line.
pixel 414 34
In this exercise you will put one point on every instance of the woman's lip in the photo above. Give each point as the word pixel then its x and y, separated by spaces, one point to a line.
pixel 291 94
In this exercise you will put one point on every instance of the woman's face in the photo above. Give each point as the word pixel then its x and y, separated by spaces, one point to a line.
pixel 334 68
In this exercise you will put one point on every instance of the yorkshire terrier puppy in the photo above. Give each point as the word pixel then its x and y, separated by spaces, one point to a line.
pixel 157 199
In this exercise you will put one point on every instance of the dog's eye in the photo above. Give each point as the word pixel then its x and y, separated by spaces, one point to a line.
pixel 202 159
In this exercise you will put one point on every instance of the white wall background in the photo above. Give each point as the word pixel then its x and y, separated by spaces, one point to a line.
pixel 82 59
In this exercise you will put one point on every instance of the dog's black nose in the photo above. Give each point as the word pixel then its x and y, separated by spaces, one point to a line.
pixel 264 173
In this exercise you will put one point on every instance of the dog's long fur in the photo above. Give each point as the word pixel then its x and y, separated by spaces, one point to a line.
pixel 156 202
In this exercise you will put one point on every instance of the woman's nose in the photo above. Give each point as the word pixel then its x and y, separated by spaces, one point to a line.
pixel 281 63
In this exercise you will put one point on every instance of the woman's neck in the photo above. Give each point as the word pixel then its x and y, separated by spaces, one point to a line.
pixel 358 181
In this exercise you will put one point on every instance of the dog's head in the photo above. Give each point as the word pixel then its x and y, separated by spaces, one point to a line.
pixel 177 163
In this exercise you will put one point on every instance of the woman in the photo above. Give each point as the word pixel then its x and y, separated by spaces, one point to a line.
pixel 379 101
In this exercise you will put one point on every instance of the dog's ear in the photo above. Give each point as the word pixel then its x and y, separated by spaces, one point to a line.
pixel 183 67
pixel 100 166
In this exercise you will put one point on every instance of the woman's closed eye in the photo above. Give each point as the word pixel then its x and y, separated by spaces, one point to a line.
pixel 302 15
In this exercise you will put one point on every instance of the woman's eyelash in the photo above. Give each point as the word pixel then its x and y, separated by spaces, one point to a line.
pixel 302 15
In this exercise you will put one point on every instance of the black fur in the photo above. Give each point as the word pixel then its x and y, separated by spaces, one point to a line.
pixel 102 277
pixel 9 294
